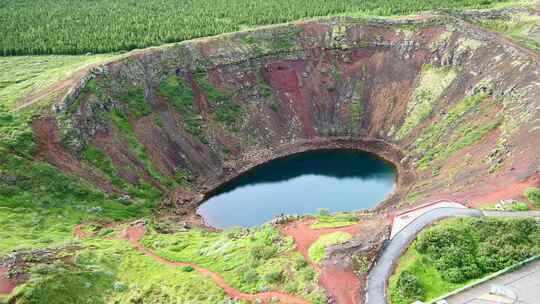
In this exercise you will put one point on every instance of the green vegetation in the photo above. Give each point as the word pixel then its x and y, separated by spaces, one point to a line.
pixel 533 195
pixel 356 109
pixel 25 75
pixel 40 205
pixel 430 85
pixel 457 251
pixel 136 101
pixel 252 261
pixel 104 163
pixel 511 206
pixel 517 27
pixel 110 271
pixel 317 251
pixel 68 27
pixel 326 220
pixel 228 112
pixel 122 123
pixel 180 95
pixel 430 145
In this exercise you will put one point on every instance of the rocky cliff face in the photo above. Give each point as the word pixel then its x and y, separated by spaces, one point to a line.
pixel 455 108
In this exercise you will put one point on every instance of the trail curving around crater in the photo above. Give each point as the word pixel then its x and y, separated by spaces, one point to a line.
pixel 134 234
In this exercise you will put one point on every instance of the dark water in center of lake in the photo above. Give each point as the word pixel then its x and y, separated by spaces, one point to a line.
pixel 338 180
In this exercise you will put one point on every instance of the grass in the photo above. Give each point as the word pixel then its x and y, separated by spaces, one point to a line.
pixel 458 133
pixel 513 206
pixel 533 195
pixel 110 271
pixel 431 137
pixel 136 101
pixel 24 75
pixel 124 127
pixel 40 205
pixel 430 85
pixel 317 250
pixel 180 95
pixel 66 27
pixel 254 260
pixel 227 112
pixel 334 221
pixel 456 252
pixel 517 28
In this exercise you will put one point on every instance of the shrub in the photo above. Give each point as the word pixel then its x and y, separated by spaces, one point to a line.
pixel 187 269
pixel 273 277
pixel 251 276
pixel 300 263
pixel 533 195
pixel 409 286
pixel 262 252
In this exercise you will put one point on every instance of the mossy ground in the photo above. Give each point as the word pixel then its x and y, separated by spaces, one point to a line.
pixel 254 260
pixel 111 271
pixel 317 251
pixel 431 83
pixel 324 220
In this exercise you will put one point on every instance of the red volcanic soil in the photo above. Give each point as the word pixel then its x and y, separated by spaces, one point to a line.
pixel 506 192
pixel 135 233
pixel 341 283
pixel 6 285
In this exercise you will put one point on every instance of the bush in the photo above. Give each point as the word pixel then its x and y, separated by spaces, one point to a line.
pixel 187 269
pixel 409 287
pixel 273 277
pixel 300 263
pixel 251 276
pixel 262 252
pixel 533 195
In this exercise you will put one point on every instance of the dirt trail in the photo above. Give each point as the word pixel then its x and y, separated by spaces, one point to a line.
pixel 341 283
pixel 134 235
pixel 6 285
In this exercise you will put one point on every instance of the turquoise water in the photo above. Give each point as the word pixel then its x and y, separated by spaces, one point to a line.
pixel 337 180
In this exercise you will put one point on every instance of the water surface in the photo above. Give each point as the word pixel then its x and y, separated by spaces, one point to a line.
pixel 338 180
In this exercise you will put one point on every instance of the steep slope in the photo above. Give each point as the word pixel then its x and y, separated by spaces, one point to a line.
pixel 453 106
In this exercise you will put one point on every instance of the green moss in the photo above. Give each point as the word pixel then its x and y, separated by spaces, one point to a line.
pixel 285 41
pixel 126 131
pixel 517 27
pixel 533 195
pixel 324 220
pixel 136 101
pixel 180 95
pixel 431 83
pixel 229 114
pixel 317 250
pixel 356 109
pixel 251 260
pixel 468 135
pixel 111 271
pixel 103 162
pixel 182 177
pixel 430 144
pixel 212 93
